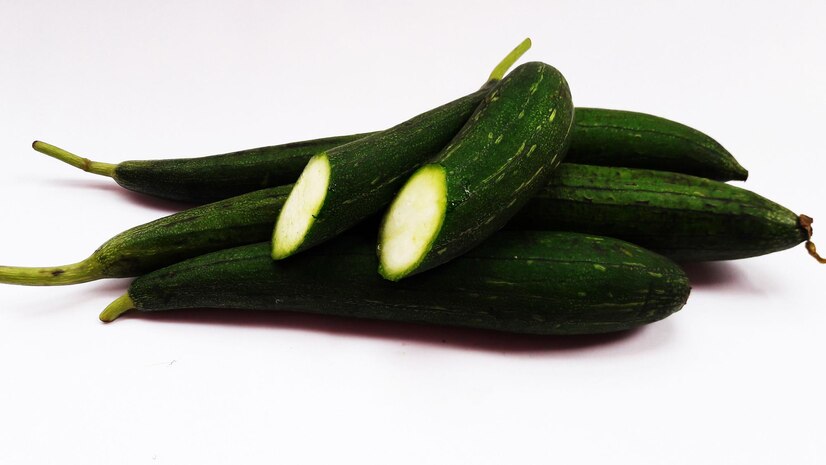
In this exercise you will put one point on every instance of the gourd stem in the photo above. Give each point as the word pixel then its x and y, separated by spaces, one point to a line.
pixel 96 167
pixel 810 247
pixel 806 224
pixel 504 65
pixel 117 308
pixel 76 273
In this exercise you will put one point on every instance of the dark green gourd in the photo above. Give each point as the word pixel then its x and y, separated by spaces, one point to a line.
pixel 637 140
pixel 342 186
pixel 232 222
pixel 683 217
pixel 500 158
pixel 518 281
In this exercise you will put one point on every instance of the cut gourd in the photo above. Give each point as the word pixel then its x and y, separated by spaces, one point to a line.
pixel 302 206
pixel 413 220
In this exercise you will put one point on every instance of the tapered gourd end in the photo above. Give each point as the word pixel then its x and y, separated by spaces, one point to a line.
pixel 95 167
pixel 412 222
pixel 301 207
pixel 738 172
pixel 725 166
pixel 117 308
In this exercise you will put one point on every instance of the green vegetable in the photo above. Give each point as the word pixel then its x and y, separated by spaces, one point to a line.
pixel 245 219
pixel 683 217
pixel 501 157
pixel 519 281
pixel 640 141
pixel 206 179
pixel 660 211
pixel 342 186
pixel 637 140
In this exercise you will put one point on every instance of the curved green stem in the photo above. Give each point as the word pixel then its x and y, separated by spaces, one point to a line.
pixel 96 167
pixel 76 273
pixel 117 308
pixel 499 72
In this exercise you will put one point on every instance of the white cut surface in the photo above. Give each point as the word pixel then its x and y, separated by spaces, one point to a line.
pixel 301 207
pixel 412 221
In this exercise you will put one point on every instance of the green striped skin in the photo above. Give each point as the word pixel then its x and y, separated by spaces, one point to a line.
pixel 683 217
pixel 506 152
pixel 365 174
pixel 519 281
pixel 236 221
pixel 217 177
pixel 601 137
pixel 638 140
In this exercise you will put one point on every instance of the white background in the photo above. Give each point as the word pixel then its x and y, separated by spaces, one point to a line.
pixel 735 377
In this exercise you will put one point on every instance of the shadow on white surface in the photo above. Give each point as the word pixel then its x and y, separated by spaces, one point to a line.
pixel 719 276
pixel 419 334
pixel 112 188
pixel 45 301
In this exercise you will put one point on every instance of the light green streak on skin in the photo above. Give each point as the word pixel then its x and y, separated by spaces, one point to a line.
pixel 95 167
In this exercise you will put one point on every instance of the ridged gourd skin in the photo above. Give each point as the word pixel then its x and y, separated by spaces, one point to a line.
pixel 638 140
pixel 684 217
pixel 506 152
pixel 601 137
pixel 232 222
pixel 365 174
pixel 218 177
pixel 518 281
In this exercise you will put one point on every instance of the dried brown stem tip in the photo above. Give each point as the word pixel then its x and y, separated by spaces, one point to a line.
pixel 806 224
